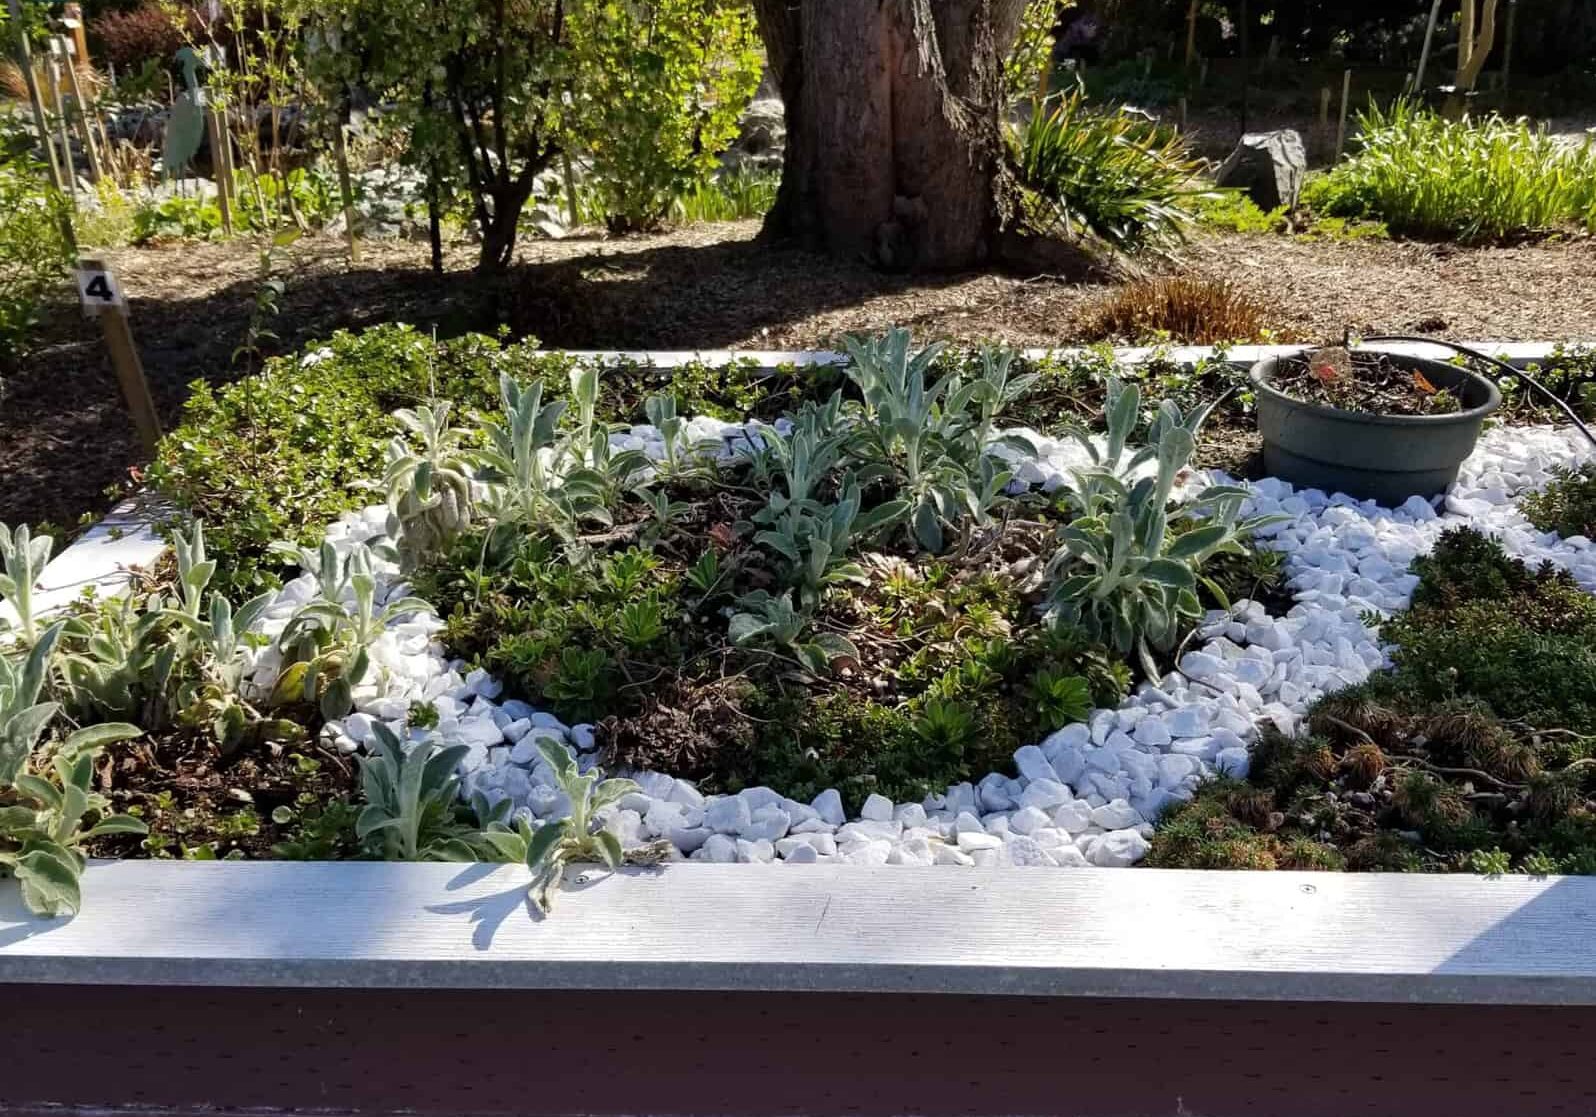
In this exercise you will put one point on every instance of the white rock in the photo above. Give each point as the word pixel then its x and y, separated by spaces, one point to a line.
pixel 1117 815
pixel 877 808
pixel 1118 849
pixel 829 805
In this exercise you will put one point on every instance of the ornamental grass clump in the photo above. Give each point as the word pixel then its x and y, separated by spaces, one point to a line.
pixel 1471 179
pixel 1114 176
pixel 1191 309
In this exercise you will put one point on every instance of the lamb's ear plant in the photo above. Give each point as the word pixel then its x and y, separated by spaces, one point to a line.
pixel 1117 576
pixel 428 487
pixel 930 439
pixel 327 643
pixel 409 813
pixel 46 818
pixel 766 619
pixel 550 848
pixel 23 558
pixel 815 539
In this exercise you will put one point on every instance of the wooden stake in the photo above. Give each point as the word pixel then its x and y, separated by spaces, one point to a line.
pixel 1183 114
pixel 66 140
pixel 1191 34
pixel 1507 45
pixel 216 132
pixel 1341 128
pixel 31 79
pixel 72 20
pixel 102 299
pixel 89 145
pixel 1324 108
pixel 345 187
pixel 1424 52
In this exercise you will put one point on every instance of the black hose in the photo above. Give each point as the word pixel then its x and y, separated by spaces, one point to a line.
pixel 1506 370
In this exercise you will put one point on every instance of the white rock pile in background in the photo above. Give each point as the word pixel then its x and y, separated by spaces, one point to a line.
pixel 1087 794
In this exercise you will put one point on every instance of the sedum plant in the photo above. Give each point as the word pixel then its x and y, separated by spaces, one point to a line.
pixel 46 818
pixel 551 847
pixel 23 558
pixel 410 795
pixel 1117 575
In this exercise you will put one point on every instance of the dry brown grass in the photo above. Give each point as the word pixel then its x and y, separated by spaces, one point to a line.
pixel 12 83
pixel 1191 309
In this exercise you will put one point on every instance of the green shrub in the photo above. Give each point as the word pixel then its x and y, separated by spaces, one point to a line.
pixel 1470 179
pixel 1566 506
pixel 664 84
pixel 277 456
pixel 1113 175
pixel 1232 211
pixel 34 255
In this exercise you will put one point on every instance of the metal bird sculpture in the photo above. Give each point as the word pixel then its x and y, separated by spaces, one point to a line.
pixel 185 124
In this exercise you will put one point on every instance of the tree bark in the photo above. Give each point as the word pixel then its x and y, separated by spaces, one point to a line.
pixel 894 126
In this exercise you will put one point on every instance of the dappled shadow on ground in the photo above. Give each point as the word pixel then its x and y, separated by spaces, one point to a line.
pixel 65 436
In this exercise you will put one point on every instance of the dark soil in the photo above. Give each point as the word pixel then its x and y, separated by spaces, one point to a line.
pixel 1361 381
pixel 197 804
pixel 65 437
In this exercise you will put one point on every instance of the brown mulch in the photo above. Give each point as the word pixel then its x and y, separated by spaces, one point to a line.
pixel 64 435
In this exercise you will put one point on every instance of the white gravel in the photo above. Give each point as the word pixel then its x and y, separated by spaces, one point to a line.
pixel 1085 795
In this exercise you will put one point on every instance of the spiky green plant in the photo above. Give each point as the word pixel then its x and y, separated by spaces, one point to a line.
pixel 1113 175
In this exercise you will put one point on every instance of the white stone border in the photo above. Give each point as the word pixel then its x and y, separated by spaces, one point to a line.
pixel 1512 352
pixel 1378 938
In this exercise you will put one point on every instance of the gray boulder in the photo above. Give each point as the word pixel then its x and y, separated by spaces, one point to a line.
pixel 1269 166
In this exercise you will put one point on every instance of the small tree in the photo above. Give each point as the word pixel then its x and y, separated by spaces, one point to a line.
pixel 661 88
pixel 1476 35
pixel 479 84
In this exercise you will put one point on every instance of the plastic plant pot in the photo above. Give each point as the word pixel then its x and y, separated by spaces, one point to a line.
pixel 1385 458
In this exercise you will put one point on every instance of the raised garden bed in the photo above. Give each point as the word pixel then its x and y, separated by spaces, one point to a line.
pixel 879 786
pixel 705 989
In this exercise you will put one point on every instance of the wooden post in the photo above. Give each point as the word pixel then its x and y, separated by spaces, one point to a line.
pixel 35 99
pixel 96 168
pixel 1191 34
pixel 1324 108
pixel 61 122
pixel 102 299
pixel 1183 114
pixel 216 132
pixel 72 20
pixel 1341 128
pixel 345 187
pixel 1424 52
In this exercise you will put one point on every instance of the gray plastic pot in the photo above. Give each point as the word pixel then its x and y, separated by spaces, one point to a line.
pixel 1385 458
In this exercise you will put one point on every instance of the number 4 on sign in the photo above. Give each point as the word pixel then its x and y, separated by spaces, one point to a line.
pixel 98 290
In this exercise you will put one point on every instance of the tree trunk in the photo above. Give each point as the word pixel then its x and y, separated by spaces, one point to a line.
pixel 894 126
